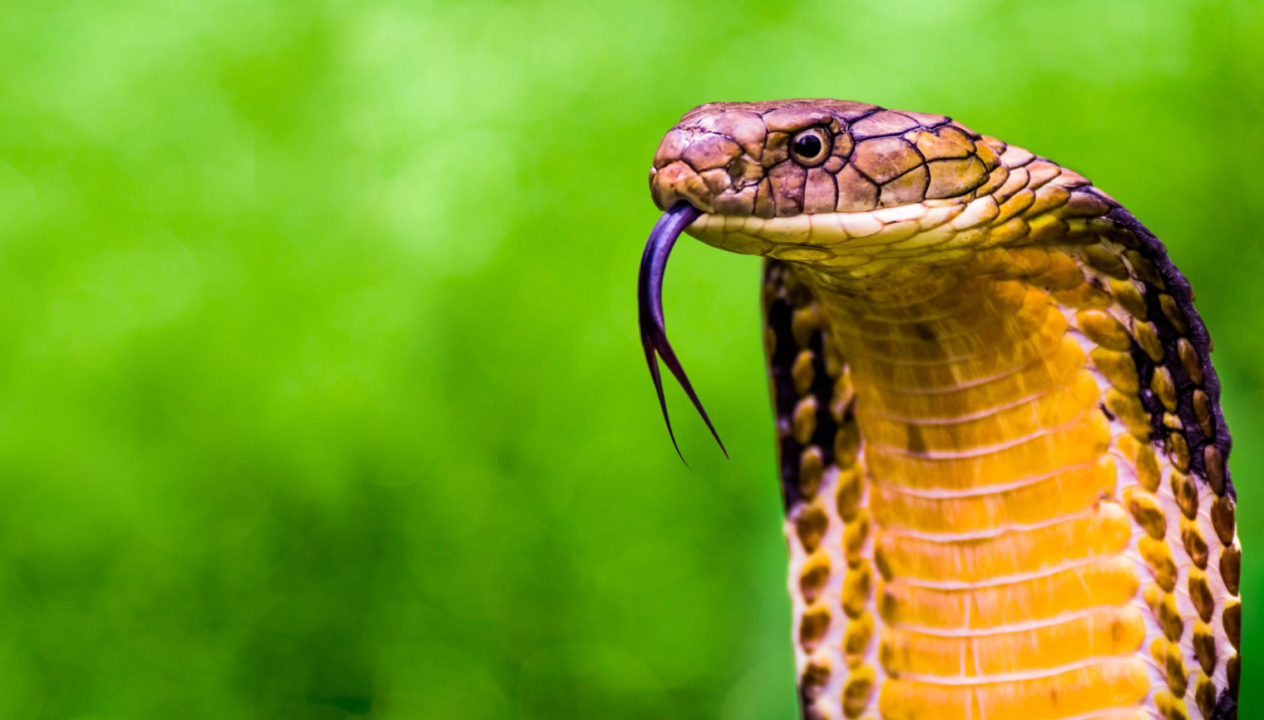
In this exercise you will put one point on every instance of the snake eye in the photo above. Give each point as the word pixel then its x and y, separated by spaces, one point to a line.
pixel 810 147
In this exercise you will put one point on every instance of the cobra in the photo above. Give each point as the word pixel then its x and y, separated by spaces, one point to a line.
pixel 999 437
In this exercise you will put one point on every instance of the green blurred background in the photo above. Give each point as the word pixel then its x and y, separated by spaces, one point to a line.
pixel 320 390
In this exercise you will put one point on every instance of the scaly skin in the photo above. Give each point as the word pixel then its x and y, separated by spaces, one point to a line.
pixel 1000 443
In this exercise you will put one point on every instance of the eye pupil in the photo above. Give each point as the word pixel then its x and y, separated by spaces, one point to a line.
pixel 809 146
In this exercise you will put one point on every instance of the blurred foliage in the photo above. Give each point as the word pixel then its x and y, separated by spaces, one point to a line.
pixel 321 392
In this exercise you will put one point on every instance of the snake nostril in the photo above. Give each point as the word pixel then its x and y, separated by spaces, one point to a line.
pixel 680 181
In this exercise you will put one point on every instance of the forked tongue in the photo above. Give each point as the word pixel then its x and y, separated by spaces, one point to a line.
pixel 650 299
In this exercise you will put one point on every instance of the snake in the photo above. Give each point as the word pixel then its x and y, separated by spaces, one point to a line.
pixel 1001 452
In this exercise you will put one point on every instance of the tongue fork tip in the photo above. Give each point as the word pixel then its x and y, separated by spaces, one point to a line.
pixel 650 299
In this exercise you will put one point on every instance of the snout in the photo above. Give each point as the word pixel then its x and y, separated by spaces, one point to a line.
pixel 700 167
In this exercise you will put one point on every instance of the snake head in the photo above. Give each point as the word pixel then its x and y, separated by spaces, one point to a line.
pixel 792 157
pixel 796 179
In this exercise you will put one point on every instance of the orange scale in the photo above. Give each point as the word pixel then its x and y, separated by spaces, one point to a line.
pixel 1049 409
pixel 1105 531
pixel 1098 688
pixel 1103 632
pixel 1003 358
pixel 1061 494
pixel 1045 375
pixel 1099 582
pixel 1068 446
pixel 985 332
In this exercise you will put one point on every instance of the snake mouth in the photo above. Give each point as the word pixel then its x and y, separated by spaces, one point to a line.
pixel 650 302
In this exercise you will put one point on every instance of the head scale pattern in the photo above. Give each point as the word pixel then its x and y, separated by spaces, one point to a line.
pixel 740 159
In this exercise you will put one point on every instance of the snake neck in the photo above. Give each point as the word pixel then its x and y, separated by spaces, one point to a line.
pixel 973 387
pixel 995 504
pixel 947 337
